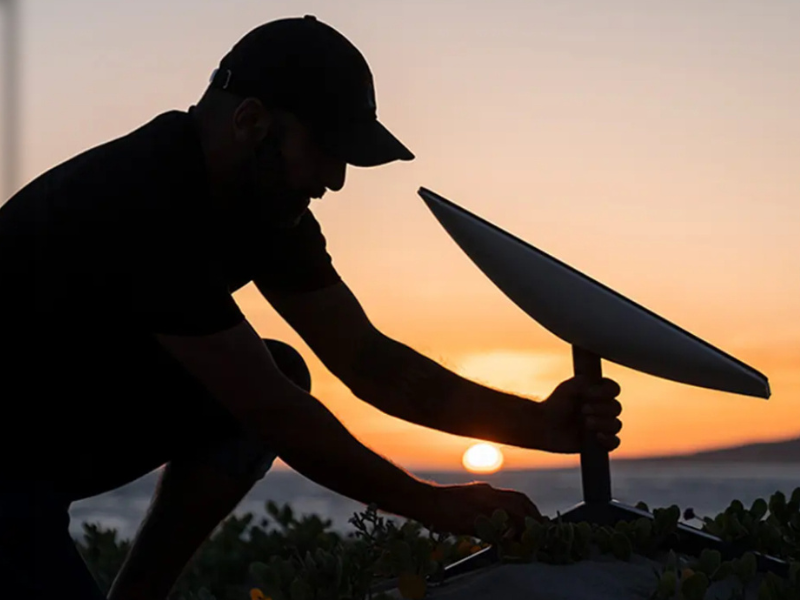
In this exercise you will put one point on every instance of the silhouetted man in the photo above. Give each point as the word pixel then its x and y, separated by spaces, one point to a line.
pixel 123 349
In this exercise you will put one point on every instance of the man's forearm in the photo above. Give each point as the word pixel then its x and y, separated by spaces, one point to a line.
pixel 412 387
pixel 316 444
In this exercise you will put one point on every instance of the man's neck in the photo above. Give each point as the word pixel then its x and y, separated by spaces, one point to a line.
pixel 218 165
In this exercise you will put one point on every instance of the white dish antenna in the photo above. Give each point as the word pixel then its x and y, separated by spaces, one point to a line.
pixel 587 314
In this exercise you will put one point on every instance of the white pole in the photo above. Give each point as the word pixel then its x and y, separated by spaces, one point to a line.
pixel 11 92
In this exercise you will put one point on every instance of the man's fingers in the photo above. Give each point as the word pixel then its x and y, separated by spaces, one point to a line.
pixel 605 430
pixel 607 425
pixel 609 442
pixel 605 407
pixel 531 510
pixel 520 507
pixel 604 389
pixel 527 509
pixel 608 388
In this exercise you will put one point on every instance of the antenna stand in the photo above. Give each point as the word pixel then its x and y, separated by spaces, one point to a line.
pixel 600 508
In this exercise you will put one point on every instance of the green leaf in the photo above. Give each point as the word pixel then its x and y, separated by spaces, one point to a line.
pixel 531 522
pixel 421 549
pixel 734 527
pixel 621 546
pixel 535 530
pixel 794 572
pixel 765 592
pixel 672 561
pixel 532 538
pixel 668 584
pixel 319 556
pixel 582 533
pixel 584 530
pixel 265 575
pixel 400 552
pixel 713 527
pixel 486 529
pixel 745 567
pixel 286 570
pixel 724 571
pixel 674 513
pixel 623 527
pixel 301 590
pixel 499 519
pixel 310 565
pixel 665 521
pixel 777 504
pixel 772 588
pixel 602 538
pixel 759 509
pixel 695 586
pixel 567 533
pixel 709 561
pixel 512 549
pixel 643 529
pixel 583 538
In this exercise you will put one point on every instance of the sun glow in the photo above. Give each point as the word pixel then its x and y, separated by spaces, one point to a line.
pixel 482 458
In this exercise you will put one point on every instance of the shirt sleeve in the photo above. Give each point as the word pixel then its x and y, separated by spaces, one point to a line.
pixel 298 260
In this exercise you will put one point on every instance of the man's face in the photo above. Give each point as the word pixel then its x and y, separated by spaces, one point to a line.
pixel 287 168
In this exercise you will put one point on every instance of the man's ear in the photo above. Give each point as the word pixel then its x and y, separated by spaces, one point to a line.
pixel 251 122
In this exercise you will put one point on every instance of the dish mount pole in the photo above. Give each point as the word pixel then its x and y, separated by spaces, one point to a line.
pixel 598 505
pixel 595 468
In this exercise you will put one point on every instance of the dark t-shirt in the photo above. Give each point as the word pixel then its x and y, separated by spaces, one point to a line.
pixel 124 237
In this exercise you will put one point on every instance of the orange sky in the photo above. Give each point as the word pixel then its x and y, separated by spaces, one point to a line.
pixel 654 149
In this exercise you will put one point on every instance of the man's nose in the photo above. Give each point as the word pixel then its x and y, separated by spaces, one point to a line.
pixel 334 172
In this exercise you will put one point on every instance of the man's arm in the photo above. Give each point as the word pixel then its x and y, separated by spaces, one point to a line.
pixel 398 380
pixel 404 383
pixel 236 368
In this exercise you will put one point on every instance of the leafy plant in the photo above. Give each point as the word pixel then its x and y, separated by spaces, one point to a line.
pixel 289 558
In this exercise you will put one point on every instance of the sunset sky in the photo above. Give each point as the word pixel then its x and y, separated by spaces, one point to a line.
pixel 653 146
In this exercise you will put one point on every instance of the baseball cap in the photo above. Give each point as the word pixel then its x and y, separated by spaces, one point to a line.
pixel 306 67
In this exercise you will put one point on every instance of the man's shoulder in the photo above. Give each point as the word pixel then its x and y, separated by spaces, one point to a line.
pixel 153 149
pixel 147 157
pixel 136 182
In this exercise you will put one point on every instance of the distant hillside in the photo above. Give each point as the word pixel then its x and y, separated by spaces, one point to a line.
pixel 785 451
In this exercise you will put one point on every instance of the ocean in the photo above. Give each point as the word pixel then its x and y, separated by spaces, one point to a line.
pixel 707 488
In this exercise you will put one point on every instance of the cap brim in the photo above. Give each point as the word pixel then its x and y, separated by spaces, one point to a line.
pixel 370 145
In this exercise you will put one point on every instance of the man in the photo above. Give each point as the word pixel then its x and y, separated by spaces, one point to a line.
pixel 123 349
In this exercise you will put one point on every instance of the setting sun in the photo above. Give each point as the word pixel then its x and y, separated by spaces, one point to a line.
pixel 483 458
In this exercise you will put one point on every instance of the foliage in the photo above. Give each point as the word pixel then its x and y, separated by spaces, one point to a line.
pixel 286 558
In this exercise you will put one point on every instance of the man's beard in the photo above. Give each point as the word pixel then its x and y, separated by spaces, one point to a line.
pixel 266 196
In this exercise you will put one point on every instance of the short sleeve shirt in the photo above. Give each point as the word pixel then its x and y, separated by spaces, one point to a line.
pixel 125 235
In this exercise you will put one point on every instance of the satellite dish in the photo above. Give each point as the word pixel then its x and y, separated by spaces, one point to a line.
pixel 587 314
pixel 599 324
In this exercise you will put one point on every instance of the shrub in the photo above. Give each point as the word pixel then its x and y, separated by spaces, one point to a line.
pixel 289 558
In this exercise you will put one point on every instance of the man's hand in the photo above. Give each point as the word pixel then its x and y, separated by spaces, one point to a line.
pixel 455 508
pixel 576 406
